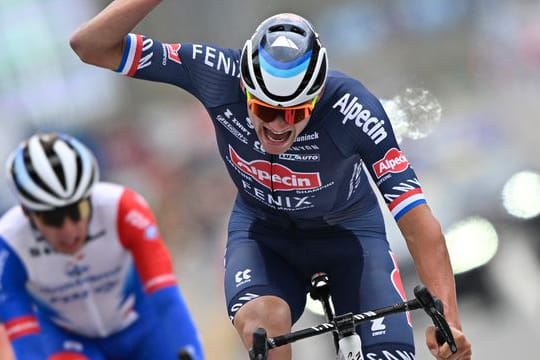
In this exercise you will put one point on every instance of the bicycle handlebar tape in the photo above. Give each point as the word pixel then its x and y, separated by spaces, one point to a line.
pixel 423 296
pixel 438 333
pixel 260 347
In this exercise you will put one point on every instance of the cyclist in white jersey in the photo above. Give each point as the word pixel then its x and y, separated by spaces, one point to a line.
pixel 299 141
pixel 84 273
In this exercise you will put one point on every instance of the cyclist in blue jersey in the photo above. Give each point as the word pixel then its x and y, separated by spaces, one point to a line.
pixel 299 141
pixel 84 273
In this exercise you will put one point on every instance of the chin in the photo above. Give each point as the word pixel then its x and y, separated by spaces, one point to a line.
pixel 70 250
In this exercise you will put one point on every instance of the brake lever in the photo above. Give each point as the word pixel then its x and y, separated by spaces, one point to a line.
pixel 434 308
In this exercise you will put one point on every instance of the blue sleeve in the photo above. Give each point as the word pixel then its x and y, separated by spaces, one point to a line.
pixel 203 70
pixel 16 307
pixel 175 323
pixel 370 134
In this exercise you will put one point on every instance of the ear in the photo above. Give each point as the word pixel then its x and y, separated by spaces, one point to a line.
pixel 28 214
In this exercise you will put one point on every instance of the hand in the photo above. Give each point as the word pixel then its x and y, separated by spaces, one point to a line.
pixel 441 352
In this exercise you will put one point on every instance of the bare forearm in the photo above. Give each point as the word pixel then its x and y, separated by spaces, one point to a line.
pixel 427 246
pixel 434 269
pixel 100 40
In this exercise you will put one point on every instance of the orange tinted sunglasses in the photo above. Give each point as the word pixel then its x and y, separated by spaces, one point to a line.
pixel 291 114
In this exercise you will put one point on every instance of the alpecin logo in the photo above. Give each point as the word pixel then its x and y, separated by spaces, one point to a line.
pixel 172 52
pixel 275 176
pixel 393 162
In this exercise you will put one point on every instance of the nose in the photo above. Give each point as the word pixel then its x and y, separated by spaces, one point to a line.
pixel 69 227
pixel 279 122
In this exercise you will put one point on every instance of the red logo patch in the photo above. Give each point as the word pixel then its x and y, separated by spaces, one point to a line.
pixel 275 176
pixel 393 162
pixel 172 52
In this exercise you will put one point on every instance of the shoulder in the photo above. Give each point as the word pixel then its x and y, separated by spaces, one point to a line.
pixel 346 98
pixel 341 89
pixel 205 59
pixel 108 194
pixel 212 55
pixel 351 111
pixel 15 227
pixel 105 193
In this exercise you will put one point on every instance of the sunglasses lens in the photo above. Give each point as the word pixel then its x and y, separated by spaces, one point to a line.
pixel 291 116
pixel 51 218
pixel 76 212
pixel 266 114
pixel 300 114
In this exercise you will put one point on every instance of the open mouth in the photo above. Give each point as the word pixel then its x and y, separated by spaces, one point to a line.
pixel 277 137
pixel 71 244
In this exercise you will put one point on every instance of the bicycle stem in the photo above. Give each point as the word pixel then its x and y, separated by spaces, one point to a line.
pixel 274 342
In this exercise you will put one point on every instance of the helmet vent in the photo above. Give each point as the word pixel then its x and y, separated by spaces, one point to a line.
pixel 284 27
pixel 320 78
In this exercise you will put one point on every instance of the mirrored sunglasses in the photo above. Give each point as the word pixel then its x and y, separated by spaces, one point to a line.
pixel 291 114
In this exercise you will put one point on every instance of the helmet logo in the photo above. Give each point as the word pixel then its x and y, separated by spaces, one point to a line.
pixel 283 41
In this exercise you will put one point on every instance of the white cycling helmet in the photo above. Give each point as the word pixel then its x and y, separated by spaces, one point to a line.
pixel 284 63
pixel 49 171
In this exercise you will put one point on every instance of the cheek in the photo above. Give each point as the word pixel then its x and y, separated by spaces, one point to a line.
pixel 254 121
pixel 301 126
pixel 84 227
pixel 51 235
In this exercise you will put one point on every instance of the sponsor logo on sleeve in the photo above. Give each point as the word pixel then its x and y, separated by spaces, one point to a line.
pixel 139 220
pixel 216 59
pixel 354 111
pixel 172 52
pixel 145 59
pixel 393 162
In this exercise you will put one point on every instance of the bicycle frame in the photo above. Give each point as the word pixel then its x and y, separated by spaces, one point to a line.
pixel 343 326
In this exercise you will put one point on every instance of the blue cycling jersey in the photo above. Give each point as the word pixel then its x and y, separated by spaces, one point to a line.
pixel 323 174
pixel 309 209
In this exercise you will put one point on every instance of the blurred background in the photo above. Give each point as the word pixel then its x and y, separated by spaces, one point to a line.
pixel 479 165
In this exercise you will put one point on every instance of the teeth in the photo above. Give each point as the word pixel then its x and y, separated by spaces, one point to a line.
pixel 278 132
pixel 277 137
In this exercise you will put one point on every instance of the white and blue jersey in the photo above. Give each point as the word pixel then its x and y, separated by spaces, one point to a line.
pixel 117 297
pixel 286 201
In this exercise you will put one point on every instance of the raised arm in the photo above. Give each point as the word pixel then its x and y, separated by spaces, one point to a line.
pixel 427 246
pixel 100 41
